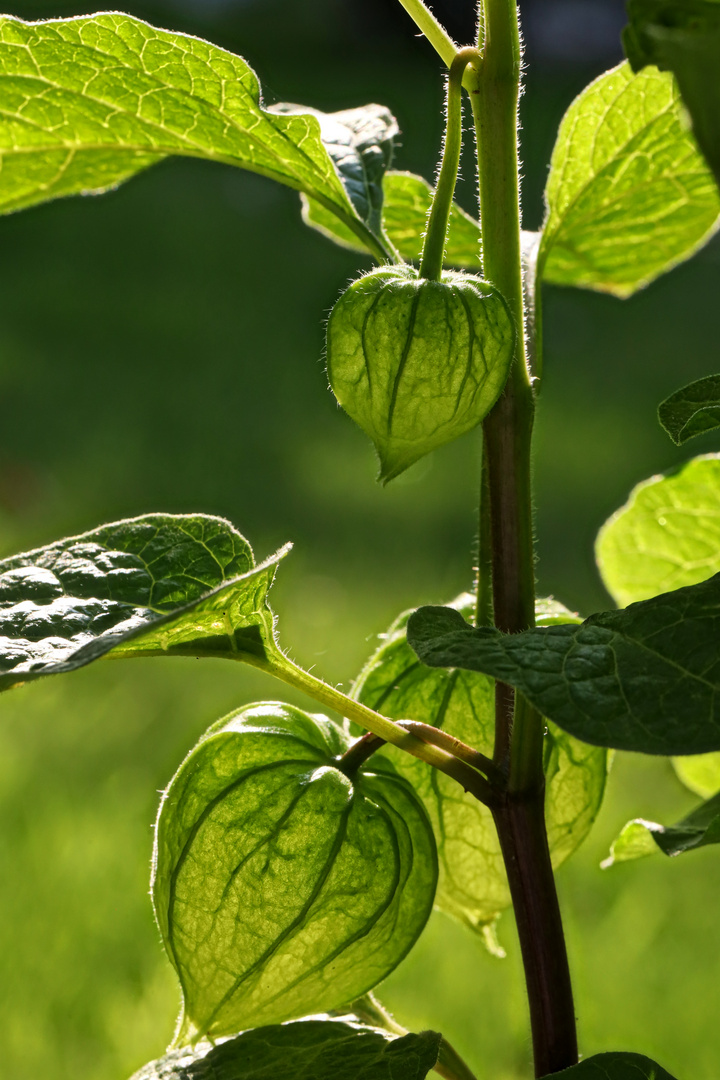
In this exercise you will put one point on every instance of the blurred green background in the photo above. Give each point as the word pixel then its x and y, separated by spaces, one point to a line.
pixel 160 349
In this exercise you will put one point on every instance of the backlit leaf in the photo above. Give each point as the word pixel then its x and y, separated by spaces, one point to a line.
pixel 700 773
pixel 308 1050
pixel 646 678
pixel 629 194
pixel 87 102
pixel 622 1066
pixel 163 583
pixel 693 410
pixel 667 535
pixel 472 885
pixel 640 837
pixel 683 36
pixel 282 886
pixel 417 363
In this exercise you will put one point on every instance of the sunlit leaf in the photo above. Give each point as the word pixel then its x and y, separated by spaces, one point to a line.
pixel 666 536
pixel 163 583
pixel 87 102
pixel 282 886
pixel 317 1049
pixel 622 1066
pixel 645 678
pixel 472 885
pixel 640 837
pixel 683 36
pixel 693 410
pixel 700 773
pixel 418 363
pixel 629 194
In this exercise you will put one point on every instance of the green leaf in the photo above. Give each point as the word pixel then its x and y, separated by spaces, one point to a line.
pixel 666 536
pixel 405 208
pixel 87 102
pixel 645 678
pixel 472 885
pixel 418 363
pixel 282 886
pixel 693 410
pixel 640 837
pixel 700 773
pixel 163 583
pixel 629 195
pixel 683 36
pixel 614 1066
pixel 310 1049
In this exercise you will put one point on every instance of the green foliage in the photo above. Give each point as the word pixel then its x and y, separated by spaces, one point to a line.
pixel 666 536
pixel 639 837
pixel 283 886
pixel 682 36
pixel 643 679
pixel 472 885
pixel 174 584
pixel 91 101
pixel 613 1066
pixel 700 773
pixel 417 363
pixel 628 195
pixel 319 1050
pixel 693 410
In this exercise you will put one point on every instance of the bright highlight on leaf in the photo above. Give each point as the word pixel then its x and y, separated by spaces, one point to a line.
pixel 473 885
pixel 624 1066
pixel 319 1050
pixel 693 410
pixel 695 830
pixel 160 584
pixel 646 678
pixel 629 195
pixel 282 886
pixel 700 773
pixel 682 36
pixel 417 363
pixel 90 101
pixel 666 536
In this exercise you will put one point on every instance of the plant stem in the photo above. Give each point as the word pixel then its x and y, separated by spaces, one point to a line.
pixel 520 819
pixel 436 34
pixel 433 254
pixel 483 584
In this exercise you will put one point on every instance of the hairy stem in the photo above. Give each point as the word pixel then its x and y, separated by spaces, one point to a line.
pixel 436 34
pixel 520 819
pixel 433 254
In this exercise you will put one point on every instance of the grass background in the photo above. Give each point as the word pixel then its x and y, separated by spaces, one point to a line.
pixel 160 349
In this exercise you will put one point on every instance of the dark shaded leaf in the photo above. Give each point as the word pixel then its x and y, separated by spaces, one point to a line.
pixel 305 1050
pixel 646 678
pixel 693 410
pixel 622 1066
pixel 283 887
pixel 163 583
pixel 683 36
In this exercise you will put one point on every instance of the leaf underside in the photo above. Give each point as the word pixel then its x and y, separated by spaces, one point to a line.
pixel 87 102
pixel 691 411
pixel 614 1066
pixel 311 1049
pixel 629 195
pixel 159 584
pixel 640 837
pixel 646 678
pixel 473 886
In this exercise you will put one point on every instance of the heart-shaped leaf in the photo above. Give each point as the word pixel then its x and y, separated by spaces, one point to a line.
pixel 645 678
pixel 614 1066
pixel 666 536
pixel 417 363
pixel 693 410
pixel 88 102
pixel 640 837
pixel 629 194
pixel 472 885
pixel 281 885
pixel 308 1050
pixel 159 584
pixel 682 36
